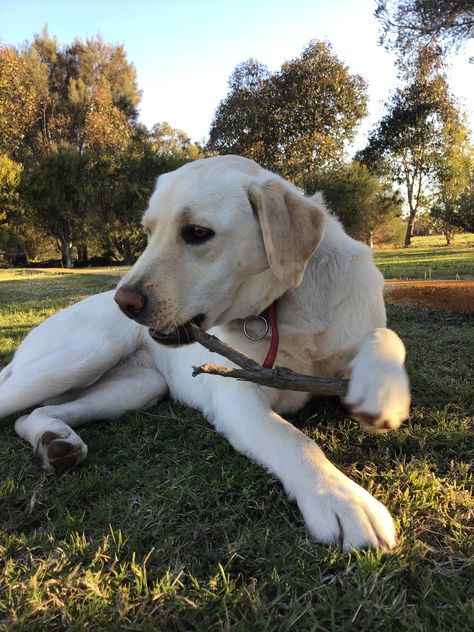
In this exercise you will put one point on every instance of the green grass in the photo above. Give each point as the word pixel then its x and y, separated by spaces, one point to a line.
pixel 431 241
pixel 429 258
pixel 165 527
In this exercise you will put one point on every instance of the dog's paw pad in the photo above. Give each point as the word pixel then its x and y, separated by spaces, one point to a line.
pixel 60 454
pixel 48 437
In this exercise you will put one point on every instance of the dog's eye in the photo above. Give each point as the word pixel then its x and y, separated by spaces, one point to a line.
pixel 192 234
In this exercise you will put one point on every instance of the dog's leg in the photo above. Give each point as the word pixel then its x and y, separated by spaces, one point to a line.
pixel 336 510
pixel 49 428
pixel 54 373
pixel 379 392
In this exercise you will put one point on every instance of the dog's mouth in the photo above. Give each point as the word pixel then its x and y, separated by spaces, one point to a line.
pixel 182 335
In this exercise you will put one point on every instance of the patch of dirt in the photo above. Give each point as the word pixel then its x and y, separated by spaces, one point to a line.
pixel 454 295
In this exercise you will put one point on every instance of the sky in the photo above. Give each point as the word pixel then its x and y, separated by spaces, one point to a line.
pixel 185 50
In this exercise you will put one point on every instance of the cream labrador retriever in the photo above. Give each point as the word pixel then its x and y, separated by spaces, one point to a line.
pixel 226 239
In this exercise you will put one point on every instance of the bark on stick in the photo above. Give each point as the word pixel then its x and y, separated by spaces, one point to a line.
pixel 251 371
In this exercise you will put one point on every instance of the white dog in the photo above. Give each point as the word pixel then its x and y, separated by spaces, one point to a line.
pixel 226 239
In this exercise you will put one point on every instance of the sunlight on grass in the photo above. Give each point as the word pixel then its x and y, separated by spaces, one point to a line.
pixel 436 263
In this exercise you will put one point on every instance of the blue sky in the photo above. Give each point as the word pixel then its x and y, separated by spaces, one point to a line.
pixel 185 50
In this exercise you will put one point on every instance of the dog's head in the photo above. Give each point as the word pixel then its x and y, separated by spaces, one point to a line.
pixel 225 238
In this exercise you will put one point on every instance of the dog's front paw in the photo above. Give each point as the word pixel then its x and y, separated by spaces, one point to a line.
pixel 378 394
pixel 338 511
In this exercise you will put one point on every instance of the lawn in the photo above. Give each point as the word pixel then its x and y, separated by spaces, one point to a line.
pixel 429 258
pixel 165 527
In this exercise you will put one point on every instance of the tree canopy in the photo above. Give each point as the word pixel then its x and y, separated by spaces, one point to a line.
pixel 72 154
pixel 292 121
pixel 419 138
pixel 18 101
pixel 82 94
pixel 77 168
pixel 10 174
pixel 55 190
pixel 411 23
pixel 361 200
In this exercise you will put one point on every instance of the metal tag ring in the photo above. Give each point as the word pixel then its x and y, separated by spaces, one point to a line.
pixel 249 319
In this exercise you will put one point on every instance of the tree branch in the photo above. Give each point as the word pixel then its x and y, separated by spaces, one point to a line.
pixel 251 371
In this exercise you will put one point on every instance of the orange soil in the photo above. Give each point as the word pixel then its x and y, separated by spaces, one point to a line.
pixel 454 295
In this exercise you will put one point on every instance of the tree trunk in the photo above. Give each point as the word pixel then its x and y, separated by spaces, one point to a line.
pixel 127 252
pixel 410 228
pixel 82 254
pixel 448 231
pixel 66 254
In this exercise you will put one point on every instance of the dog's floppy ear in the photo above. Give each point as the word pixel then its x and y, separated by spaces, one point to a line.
pixel 292 227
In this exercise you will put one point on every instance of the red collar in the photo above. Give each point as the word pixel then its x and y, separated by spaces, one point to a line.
pixel 273 350
pixel 270 320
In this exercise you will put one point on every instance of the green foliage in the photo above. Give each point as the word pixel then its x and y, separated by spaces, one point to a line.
pixel 83 94
pixel 292 121
pixel 453 207
pixel 18 101
pixel 245 122
pixel 458 212
pixel 120 187
pixel 55 191
pixel 360 200
pixel 172 143
pixel 68 116
pixel 321 106
pixel 10 173
pixel 408 23
pixel 96 196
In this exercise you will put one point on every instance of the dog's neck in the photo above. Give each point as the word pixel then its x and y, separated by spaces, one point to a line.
pixel 307 308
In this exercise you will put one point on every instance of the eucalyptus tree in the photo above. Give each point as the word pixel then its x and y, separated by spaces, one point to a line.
pixel 421 126
pixel 407 24
pixel 361 200
pixel 295 120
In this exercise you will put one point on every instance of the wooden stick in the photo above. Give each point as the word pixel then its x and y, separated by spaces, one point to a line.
pixel 217 346
pixel 251 371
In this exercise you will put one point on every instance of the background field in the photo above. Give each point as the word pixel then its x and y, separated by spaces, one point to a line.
pixel 165 527
pixel 429 257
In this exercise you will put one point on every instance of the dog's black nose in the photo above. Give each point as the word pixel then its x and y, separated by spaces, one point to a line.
pixel 130 300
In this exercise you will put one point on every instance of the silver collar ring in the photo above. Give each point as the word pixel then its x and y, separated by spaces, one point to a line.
pixel 248 321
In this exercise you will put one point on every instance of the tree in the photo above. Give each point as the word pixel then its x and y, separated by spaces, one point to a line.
pixel 68 116
pixel 407 24
pixel 10 173
pixel 81 95
pixel 168 141
pixel 55 190
pixel 454 175
pixel 320 107
pixel 457 212
pixel 120 187
pixel 293 121
pixel 411 139
pixel 463 214
pixel 360 200
pixel 18 101
pixel 102 95
pixel 244 123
